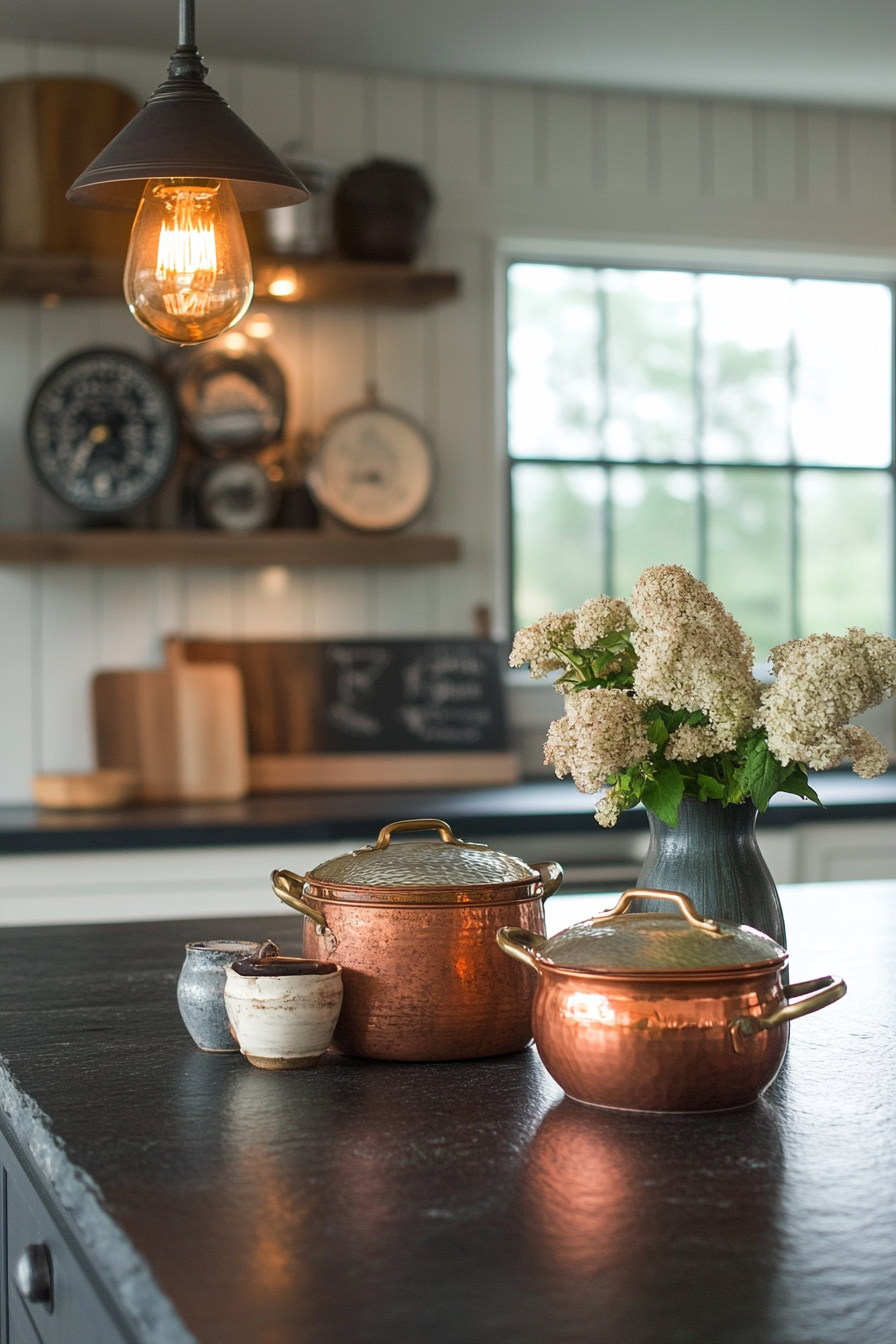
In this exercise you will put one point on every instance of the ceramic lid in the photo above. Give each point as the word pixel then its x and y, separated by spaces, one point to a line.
pixel 444 863
pixel 655 943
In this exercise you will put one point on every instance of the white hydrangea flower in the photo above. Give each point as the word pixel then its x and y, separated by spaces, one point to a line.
pixel 601 734
pixel 822 681
pixel 533 643
pixel 608 807
pixel 690 743
pixel 692 654
pixel 599 617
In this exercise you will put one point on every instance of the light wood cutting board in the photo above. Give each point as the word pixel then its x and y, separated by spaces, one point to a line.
pixel 182 727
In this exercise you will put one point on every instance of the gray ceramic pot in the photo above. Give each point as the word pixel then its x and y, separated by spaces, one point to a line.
pixel 712 855
pixel 200 988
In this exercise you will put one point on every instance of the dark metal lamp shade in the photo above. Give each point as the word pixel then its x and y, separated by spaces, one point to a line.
pixel 186 130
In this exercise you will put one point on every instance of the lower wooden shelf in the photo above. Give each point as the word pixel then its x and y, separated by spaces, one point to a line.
pixel 280 546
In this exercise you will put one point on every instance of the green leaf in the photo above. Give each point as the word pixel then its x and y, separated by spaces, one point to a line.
pixel 710 787
pixel 797 783
pixel 762 772
pixel 663 793
pixel 658 733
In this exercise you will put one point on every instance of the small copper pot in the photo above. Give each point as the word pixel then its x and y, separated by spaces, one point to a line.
pixel 644 1012
pixel 414 926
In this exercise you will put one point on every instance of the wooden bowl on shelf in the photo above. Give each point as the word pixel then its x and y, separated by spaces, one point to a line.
pixel 85 791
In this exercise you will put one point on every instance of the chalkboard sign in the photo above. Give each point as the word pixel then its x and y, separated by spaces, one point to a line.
pixel 412 695
pixel 350 696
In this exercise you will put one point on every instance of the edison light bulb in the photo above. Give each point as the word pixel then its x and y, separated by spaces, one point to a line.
pixel 188 274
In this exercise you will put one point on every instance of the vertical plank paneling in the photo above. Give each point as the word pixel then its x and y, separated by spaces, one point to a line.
pixel 780 153
pixel 398 130
pixel 16 685
pixel 340 361
pixel 275 603
pixel 734 158
pixel 401 350
pixel 340 117
pixel 343 602
pixel 139 71
pixel 69 644
pixel 17 58
pixel 169 604
pixel 208 603
pixel 626 121
pixel 569 144
pixel 821 166
pixel 271 97
pixel 62 58
pixel 404 606
pixel 457 111
pixel 291 344
pixel 18 324
pixel 126 618
pixel 870 165
pixel 513 137
pixel 679 148
pixel 466 500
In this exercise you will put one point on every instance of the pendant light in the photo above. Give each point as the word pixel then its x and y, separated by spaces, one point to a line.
pixel 188 165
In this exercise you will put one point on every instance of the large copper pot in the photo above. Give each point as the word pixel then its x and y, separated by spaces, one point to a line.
pixel 645 1012
pixel 413 927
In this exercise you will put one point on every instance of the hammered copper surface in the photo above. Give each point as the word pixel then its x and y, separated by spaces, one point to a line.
pixel 428 982
pixel 657 1045
pixel 422 972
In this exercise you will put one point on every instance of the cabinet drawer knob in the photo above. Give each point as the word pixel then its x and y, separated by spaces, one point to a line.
pixel 33 1275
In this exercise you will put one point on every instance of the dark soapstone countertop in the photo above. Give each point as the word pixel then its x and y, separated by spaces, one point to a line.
pixel 547 807
pixel 371 1203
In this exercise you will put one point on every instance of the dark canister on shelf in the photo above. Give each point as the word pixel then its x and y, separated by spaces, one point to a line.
pixel 380 212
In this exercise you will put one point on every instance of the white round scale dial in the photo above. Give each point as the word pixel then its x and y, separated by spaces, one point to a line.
pixel 372 470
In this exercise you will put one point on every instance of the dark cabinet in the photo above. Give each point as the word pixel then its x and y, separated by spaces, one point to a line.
pixel 48 1293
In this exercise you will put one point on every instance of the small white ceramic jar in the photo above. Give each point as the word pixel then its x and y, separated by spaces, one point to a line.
pixel 283 1010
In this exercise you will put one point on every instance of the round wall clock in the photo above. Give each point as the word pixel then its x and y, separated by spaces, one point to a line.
pixel 373 469
pixel 230 402
pixel 237 497
pixel 102 432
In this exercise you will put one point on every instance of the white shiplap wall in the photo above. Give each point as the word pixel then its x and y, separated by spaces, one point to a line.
pixel 507 162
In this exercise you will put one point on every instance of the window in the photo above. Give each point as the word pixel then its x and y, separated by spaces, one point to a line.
pixel 739 425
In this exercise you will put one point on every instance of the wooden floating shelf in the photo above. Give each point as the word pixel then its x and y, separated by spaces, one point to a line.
pixel 275 547
pixel 36 275
pixel 298 280
pixel 40 275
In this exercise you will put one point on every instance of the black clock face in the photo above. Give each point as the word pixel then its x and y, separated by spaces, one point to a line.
pixel 102 432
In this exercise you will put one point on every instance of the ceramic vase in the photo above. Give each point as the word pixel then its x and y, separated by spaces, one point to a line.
pixel 284 1021
pixel 200 990
pixel 713 856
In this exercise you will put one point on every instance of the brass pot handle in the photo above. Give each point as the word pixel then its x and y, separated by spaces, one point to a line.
pixel 818 994
pixel 417 824
pixel 283 881
pixel 521 943
pixel 551 875
pixel 676 897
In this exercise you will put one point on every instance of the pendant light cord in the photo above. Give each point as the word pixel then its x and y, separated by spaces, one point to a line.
pixel 187 23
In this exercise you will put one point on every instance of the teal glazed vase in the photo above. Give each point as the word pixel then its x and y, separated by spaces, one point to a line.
pixel 713 856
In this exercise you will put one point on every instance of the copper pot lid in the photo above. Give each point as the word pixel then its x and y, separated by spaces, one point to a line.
pixel 447 863
pixel 653 944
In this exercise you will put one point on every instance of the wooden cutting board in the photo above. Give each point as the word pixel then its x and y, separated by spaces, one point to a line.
pixel 182 727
